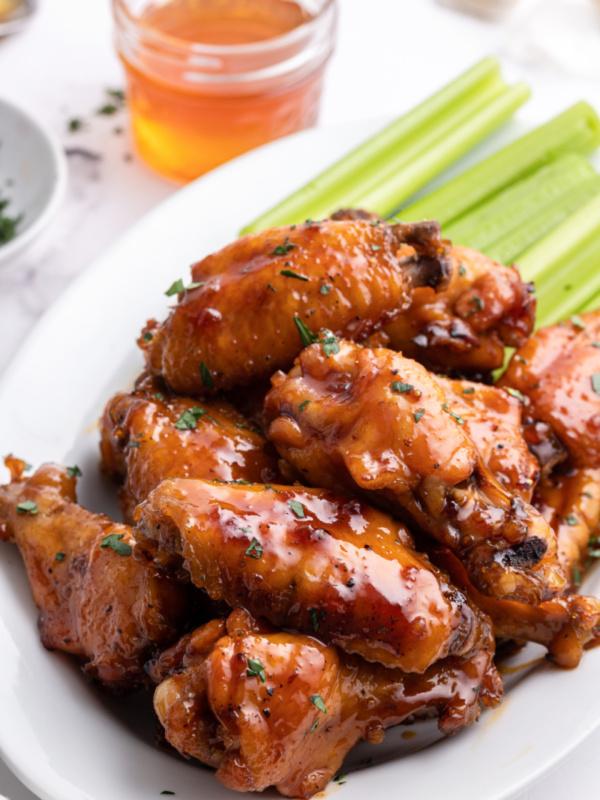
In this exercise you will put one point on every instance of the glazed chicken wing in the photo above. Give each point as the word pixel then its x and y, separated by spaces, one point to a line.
pixel 238 324
pixel 373 421
pixel 312 561
pixel 96 602
pixel 271 708
pixel 150 434
pixel 466 327
pixel 558 371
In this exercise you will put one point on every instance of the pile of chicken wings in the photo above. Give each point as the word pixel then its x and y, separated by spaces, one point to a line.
pixel 332 513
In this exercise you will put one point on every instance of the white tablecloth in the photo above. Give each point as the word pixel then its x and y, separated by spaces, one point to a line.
pixel 391 53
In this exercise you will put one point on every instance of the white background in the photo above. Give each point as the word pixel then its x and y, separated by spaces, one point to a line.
pixel 390 55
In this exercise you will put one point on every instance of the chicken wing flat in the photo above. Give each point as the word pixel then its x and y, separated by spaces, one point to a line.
pixel 570 502
pixel 312 561
pixel 492 419
pixel 95 601
pixel 558 371
pixel 376 422
pixel 271 708
pixel 466 327
pixel 565 625
pixel 238 324
pixel 150 434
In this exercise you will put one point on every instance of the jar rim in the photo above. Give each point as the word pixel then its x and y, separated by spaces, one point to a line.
pixel 180 46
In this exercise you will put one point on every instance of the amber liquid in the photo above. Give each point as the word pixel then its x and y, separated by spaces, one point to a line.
pixel 183 130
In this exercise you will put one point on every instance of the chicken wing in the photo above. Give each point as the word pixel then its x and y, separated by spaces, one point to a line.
pixel 271 708
pixel 238 322
pixel 95 601
pixel 374 421
pixel 150 434
pixel 466 327
pixel 558 371
pixel 312 561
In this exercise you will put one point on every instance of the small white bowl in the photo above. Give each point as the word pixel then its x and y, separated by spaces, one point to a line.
pixel 33 174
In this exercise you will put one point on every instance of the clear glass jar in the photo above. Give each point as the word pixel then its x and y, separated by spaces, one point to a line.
pixel 209 79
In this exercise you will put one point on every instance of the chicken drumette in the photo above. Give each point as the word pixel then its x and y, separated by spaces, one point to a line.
pixel 312 561
pixel 271 708
pixel 150 434
pixel 373 421
pixel 238 322
pixel 96 602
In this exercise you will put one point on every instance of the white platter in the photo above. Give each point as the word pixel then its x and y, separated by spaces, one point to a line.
pixel 62 738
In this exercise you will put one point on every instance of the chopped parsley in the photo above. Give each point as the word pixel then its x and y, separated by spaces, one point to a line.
pixel 255 550
pixel 477 301
pixel 297 508
pixel 375 246
pixel 401 388
pixel 576 576
pixel 207 378
pixel 325 288
pixel 271 288
pixel 572 520
pixel 314 727
pixel 148 336
pixel 329 343
pixel 116 543
pixel 461 270
pixel 108 109
pixel 578 322
pixel 418 414
pixel 303 405
pixel 74 472
pixel 515 393
pixel 133 443
pixel 8 225
pixel 596 382
pixel 256 670
pixel 283 250
pixel 159 396
pixel 317 701
pixel 457 417
pixel 289 273
pixel 315 617
pixel 27 507
pixel 188 420
pixel 177 287
pixel 470 390
pixel 59 557
pixel 75 124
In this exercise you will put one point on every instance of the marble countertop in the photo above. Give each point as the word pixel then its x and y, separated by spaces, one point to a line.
pixel 61 65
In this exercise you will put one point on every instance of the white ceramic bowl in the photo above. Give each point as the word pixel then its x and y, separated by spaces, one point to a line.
pixel 33 174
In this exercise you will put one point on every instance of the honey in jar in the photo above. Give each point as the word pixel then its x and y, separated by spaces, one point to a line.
pixel 209 79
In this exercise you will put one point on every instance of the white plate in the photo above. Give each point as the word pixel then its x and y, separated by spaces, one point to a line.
pixel 33 174
pixel 65 740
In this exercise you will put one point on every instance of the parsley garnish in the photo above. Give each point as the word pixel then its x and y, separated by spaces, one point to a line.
pixel 461 270
pixel 314 618
pixel 297 508
pixel 116 94
pixel 291 274
pixel 457 417
pixel 578 322
pixel 375 246
pixel 572 520
pixel 207 378
pixel 595 344
pixel 314 727
pixel 317 701
pixel 401 388
pixel 515 393
pixel 303 405
pixel 418 414
pixel 188 420
pixel 27 507
pixel 59 557
pixel 108 109
pixel 148 336
pixel 576 576
pixel 255 550
pixel 596 382
pixel 177 287
pixel 283 250
pixel 268 486
pixel 306 336
pixel 74 124
pixel 478 303
pixel 468 391
pixel 114 541
pixel 159 396
pixel 271 288
pixel 74 472
pixel 256 670
pixel 133 443
pixel 329 343
pixel 325 288
pixel 8 225
pixel 340 778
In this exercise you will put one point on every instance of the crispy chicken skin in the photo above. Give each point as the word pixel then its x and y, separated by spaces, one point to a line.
pixel 151 434
pixel 109 610
pixel 492 419
pixel 373 421
pixel 312 561
pixel 466 327
pixel 565 625
pixel 237 326
pixel 267 707
pixel 555 371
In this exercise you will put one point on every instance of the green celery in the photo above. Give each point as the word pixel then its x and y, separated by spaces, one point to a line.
pixel 502 214
pixel 326 190
pixel 543 221
pixel 575 130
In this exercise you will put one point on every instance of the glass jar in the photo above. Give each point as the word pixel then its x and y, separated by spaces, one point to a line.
pixel 209 79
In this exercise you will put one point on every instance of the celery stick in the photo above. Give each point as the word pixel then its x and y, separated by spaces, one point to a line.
pixel 358 163
pixel 575 130
pixel 568 290
pixel 559 246
pixel 543 221
pixel 505 212
pixel 399 180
